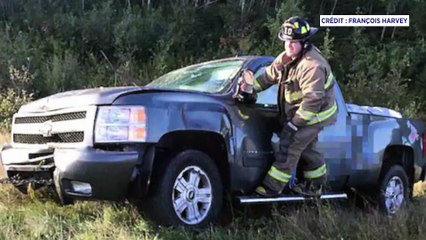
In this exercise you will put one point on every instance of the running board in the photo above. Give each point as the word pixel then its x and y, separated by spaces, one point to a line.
pixel 288 198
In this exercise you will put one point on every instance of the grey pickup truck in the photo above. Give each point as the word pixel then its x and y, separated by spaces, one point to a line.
pixel 182 142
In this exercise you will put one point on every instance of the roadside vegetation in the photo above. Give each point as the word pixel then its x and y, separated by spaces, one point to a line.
pixel 53 46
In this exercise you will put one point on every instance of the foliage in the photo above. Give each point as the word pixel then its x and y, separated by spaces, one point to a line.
pixel 69 45
pixel 13 98
pixel 378 76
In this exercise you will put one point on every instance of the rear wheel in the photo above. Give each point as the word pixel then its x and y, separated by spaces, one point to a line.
pixel 188 193
pixel 393 190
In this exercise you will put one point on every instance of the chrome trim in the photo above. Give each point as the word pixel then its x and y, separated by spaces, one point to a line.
pixel 77 125
pixel 287 198
pixel 192 195
pixel 30 168
pixel 394 195
pixel 32 160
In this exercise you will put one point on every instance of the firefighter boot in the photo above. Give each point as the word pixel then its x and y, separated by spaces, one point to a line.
pixel 264 191
pixel 310 187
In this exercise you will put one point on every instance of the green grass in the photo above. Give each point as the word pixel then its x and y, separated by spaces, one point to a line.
pixel 38 216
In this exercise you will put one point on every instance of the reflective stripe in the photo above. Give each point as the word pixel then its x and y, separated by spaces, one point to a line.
pixel 303 31
pixel 305 114
pixel 324 115
pixel 257 86
pixel 296 25
pixel 242 115
pixel 319 172
pixel 329 81
pixel 295 96
pixel 278 175
pixel 313 118
pixel 260 189
pixel 292 97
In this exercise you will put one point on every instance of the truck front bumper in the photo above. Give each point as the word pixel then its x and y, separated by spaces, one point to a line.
pixel 86 173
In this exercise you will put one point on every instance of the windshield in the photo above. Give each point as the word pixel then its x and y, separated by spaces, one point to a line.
pixel 206 77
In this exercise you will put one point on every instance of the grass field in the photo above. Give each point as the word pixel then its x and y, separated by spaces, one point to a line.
pixel 39 216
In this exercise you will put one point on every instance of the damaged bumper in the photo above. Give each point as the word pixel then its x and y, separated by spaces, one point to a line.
pixel 86 173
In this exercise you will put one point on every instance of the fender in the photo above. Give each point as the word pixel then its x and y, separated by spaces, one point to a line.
pixel 382 133
pixel 171 112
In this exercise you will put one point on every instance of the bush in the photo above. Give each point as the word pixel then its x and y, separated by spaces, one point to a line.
pixel 80 44
pixel 10 102
pixel 13 98
pixel 379 76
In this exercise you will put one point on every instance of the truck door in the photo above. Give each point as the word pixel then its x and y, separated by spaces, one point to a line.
pixel 255 125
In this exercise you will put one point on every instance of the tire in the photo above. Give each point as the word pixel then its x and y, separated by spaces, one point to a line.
pixel 393 190
pixel 189 192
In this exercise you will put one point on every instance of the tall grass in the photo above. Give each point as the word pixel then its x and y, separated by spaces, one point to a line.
pixel 40 217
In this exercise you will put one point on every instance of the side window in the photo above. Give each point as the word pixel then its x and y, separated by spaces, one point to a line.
pixel 266 97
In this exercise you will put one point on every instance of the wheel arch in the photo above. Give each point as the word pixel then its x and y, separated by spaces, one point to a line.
pixel 211 143
pixel 399 155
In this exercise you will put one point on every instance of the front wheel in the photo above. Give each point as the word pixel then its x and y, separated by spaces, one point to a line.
pixel 189 192
pixel 394 190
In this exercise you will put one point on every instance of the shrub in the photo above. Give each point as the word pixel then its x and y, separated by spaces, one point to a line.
pixel 14 98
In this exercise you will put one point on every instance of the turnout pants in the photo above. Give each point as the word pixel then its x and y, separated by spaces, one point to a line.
pixel 292 147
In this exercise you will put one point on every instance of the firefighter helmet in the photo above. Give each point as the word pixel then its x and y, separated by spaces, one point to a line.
pixel 296 29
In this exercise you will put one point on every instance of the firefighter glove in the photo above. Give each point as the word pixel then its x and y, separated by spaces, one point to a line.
pixel 246 81
pixel 290 128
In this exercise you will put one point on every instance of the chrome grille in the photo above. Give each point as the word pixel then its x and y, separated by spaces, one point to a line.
pixel 53 118
pixel 40 119
pixel 67 137
pixel 69 127
pixel 71 137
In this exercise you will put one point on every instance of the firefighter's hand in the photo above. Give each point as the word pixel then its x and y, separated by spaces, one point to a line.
pixel 290 127
pixel 287 133
pixel 245 91
pixel 246 81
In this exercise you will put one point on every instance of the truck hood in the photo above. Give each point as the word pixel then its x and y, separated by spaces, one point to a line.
pixel 76 98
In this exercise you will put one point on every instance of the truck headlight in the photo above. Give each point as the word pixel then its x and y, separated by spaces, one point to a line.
pixel 120 124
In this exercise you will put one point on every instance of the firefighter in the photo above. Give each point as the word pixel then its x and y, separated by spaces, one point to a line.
pixel 307 104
